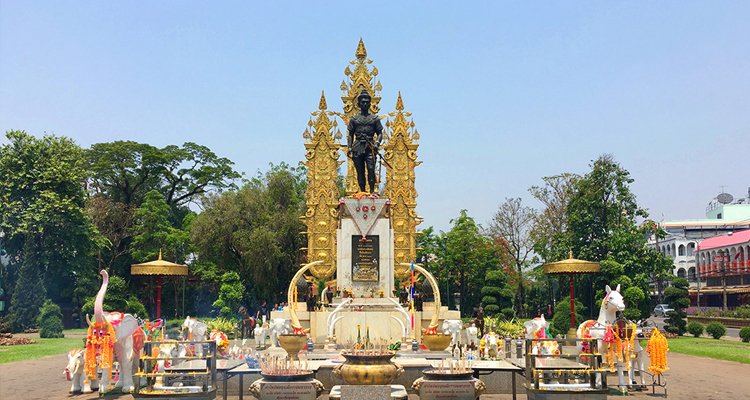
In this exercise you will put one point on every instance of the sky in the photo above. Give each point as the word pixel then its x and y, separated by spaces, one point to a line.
pixel 502 93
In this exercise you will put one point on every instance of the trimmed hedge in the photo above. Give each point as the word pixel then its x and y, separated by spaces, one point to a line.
pixel 745 334
pixel 695 328
pixel 716 329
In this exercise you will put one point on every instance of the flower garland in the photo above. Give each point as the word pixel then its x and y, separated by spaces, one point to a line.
pixel 100 340
pixel 610 339
pixel 657 350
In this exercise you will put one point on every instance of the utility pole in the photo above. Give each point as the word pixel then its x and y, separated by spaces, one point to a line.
pixel 724 279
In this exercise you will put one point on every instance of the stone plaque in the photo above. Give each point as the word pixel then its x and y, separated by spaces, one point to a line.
pixel 287 391
pixel 365 258
pixel 365 392
pixel 458 390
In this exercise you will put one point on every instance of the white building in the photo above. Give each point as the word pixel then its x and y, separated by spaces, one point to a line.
pixel 723 216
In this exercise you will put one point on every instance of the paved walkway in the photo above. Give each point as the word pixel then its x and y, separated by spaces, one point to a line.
pixel 689 377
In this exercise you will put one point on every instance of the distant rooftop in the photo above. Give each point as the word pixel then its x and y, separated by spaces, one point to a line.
pixel 740 237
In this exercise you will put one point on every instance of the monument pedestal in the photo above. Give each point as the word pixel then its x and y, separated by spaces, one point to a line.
pixel 365 248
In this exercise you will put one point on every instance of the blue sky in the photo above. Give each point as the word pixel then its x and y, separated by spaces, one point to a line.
pixel 502 93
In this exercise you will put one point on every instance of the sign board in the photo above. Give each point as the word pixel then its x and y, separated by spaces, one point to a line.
pixel 288 391
pixel 718 258
pixel 441 390
pixel 365 258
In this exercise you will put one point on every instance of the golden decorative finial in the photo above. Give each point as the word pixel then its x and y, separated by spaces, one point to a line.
pixel 322 105
pixel 361 52
pixel 571 254
pixel 399 103
pixel 160 254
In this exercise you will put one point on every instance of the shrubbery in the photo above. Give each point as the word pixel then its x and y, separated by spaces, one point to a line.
pixel 716 329
pixel 561 320
pixel 741 312
pixel 745 334
pixel 695 328
pixel 50 321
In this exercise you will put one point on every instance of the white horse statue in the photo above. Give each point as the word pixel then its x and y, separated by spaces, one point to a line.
pixel 612 303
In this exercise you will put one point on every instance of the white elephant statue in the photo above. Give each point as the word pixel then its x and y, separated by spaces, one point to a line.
pixel 536 325
pixel 453 327
pixel 125 349
pixel 196 329
pixel 260 332
pixel 74 373
pixel 471 334
pixel 279 326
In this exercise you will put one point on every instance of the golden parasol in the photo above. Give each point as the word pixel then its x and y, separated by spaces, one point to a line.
pixel 571 267
pixel 158 267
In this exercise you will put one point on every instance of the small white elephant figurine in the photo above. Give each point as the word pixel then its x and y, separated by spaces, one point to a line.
pixel 260 332
pixel 535 325
pixel 453 327
pixel 279 326
pixel 74 373
pixel 471 334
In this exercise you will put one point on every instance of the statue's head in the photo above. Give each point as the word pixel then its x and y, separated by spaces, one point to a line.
pixel 363 100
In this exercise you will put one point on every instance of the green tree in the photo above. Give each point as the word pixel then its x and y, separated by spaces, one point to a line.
pixel 468 256
pixel 602 215
pixel 633 296
pixel 30 293
pixel 126 171
pixel 496 291
pixel 42 199
pixel 550 232
pixel 50 321
pixel 677 298
pixel 151 228
pixel 513 222
pixel 230 293
pixel 254 231
pixel 561 320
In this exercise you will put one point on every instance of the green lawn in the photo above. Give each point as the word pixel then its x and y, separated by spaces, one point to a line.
pixel 728 350
pixel 43 347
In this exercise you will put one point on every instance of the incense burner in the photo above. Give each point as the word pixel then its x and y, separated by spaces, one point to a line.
pixel 368 369
pixel 293 344
pixel 436 342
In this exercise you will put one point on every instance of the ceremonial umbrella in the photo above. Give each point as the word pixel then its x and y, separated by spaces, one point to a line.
pixel 571 267
pixel 158 267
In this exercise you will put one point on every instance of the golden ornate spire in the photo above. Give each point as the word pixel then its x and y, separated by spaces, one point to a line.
pixel 322 195
pixel 361 52
pixel 400 150
pixel 322 106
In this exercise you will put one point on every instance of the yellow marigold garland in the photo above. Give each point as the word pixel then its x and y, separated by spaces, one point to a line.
pixel 657 350
pixel 101 339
